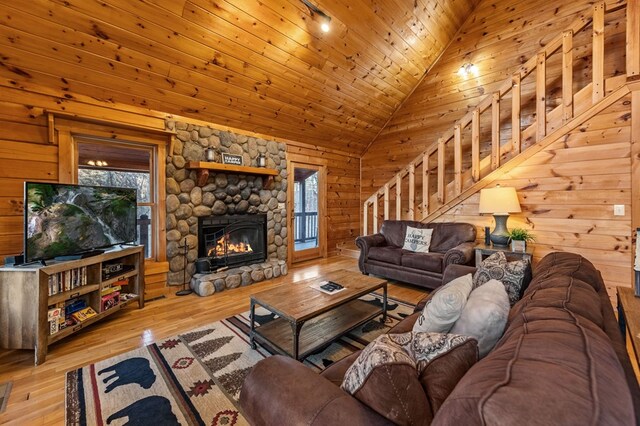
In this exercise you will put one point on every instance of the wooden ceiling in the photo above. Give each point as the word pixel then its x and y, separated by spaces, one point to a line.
pixel 262 66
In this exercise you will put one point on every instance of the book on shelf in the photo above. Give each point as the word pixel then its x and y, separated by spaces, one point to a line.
pixel 56 317
pixel 84 314
pixel 112 288
pixel 109 301
pixel 67 280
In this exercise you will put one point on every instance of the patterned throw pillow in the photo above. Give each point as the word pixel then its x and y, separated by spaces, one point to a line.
pixel 444 307
pixel 511 274
pixel 484 316
pixel 417 239
pixel 392 363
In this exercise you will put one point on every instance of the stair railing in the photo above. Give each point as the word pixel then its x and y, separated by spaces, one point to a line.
pixel 432 163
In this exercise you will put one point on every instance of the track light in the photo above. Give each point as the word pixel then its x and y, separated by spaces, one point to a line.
pixel 325 26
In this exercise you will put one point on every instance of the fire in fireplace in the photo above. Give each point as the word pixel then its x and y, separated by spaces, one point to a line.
pixel 232 240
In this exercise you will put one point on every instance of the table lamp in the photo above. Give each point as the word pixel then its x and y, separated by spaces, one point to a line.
pixel 499 201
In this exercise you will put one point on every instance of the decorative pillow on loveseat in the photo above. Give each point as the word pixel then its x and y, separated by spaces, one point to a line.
pixel 511 274
pixel 385 375
pixel 485 315
pixel 444 306
pixel 417 239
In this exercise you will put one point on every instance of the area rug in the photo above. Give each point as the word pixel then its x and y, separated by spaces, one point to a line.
pixel 193 378
pixel 5 390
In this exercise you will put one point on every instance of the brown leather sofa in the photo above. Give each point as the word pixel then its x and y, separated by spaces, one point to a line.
pixel 382 254
pixel 561 361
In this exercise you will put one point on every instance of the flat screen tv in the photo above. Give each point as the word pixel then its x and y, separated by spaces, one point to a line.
pixel 64 219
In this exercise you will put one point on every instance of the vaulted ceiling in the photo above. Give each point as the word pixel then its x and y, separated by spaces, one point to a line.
pixel 259 65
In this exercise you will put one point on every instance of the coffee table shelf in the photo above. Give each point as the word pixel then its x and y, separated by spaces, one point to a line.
pixel 309 319
pixel 314 333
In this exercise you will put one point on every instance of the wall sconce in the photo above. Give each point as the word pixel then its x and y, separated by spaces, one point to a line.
pixel 468 69
pixel 326 19
pixel 98 163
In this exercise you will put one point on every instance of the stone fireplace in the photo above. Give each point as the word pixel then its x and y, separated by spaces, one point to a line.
pixel 224 196
pixel 232 240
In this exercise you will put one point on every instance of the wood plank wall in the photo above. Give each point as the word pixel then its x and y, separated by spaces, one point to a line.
pixel 497 38
pixel 343 188
pixel 567 193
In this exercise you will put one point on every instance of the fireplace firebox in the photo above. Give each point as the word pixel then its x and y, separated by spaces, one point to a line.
pixel 232 240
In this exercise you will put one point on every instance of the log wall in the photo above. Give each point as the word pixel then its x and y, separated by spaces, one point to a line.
pixel 568 191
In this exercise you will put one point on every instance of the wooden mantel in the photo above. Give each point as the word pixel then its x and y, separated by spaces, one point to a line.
pixel 203 168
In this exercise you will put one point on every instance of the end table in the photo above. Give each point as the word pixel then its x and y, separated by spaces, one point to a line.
pixel 483 251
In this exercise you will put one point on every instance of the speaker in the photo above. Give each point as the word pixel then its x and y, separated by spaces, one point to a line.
pixel 487 236
pixel 16 260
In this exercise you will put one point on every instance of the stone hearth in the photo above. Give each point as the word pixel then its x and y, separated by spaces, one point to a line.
pixel 223 194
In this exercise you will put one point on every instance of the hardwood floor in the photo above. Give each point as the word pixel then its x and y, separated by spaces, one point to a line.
pixel 37 397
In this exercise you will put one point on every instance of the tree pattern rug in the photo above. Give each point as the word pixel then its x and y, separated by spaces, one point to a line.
pixel 194 378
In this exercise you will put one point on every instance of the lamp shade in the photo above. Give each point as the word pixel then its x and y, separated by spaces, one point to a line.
pixel 499 200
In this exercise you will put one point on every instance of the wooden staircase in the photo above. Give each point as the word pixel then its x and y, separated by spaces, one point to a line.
pixel 491 139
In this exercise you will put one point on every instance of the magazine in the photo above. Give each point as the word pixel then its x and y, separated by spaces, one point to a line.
pixel 328 287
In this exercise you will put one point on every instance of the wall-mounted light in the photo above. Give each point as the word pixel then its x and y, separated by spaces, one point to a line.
pixel 467 70
pixel 325 26
pixel 98 163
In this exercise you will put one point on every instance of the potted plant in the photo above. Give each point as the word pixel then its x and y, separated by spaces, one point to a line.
pixel 519 239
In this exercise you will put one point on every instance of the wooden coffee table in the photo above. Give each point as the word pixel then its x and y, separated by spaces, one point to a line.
pixel 310 319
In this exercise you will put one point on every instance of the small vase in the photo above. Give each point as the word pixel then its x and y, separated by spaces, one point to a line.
pixel 518 245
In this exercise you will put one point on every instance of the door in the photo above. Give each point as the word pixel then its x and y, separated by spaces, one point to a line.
pixel 307 238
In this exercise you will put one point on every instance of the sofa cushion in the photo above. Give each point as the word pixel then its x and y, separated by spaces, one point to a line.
pixel 417 239
pixel 511 274
pixel 447 235
pixel 394 231
pixel 386 254
pixel 423 261
pixel 445 306
pixel 559 372
pixel 484 315
pixel 385 375
pixel 568 264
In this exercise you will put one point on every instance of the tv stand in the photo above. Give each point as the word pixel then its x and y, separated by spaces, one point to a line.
pixel 26 298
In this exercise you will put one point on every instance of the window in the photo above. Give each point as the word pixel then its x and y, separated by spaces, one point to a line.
pixel 130 165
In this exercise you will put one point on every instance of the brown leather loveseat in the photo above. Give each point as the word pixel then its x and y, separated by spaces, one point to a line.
pixel 561 361
pixel 382 254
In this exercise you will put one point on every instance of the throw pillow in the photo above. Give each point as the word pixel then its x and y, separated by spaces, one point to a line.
pixel 443 309
pixel 511 274
pixel 484 316
pixel 417 239
pixel 385 375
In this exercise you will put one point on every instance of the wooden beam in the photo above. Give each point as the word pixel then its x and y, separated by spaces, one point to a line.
pixel 412 191
pixel 386 201
pixel 633 38
pixel 425 185
pixel 495 131
pixel 516 137
pixel 567 76
pixel 598 52
pixel 375 215
pixel 441 187
pixel 541 96
pixel 365 218
pixel 399 196
pixel 457 159
pixel 475 145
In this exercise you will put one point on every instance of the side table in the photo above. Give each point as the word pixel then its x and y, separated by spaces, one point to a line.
pixel 629 317
pixel 483 251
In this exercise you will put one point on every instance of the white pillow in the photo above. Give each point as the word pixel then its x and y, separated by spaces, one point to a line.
pixel 444 308
pixel 485 315
pixel 417 239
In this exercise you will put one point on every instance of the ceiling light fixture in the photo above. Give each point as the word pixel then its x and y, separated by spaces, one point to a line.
pixel 326 19
pixel 468 69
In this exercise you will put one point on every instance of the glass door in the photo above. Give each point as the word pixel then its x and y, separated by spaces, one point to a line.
pixel 306 212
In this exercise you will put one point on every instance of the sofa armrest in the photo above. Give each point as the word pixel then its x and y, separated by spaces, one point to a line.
pixel 280 390
pixel 461 254
pixel 364 243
